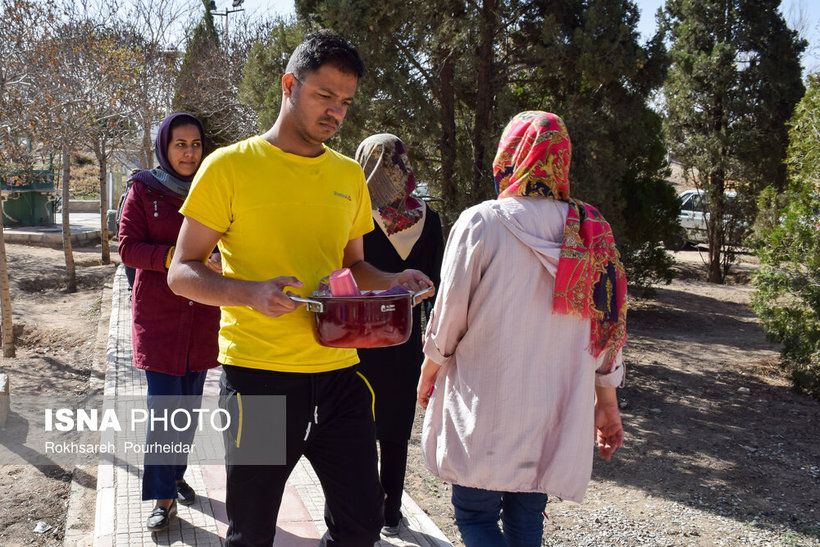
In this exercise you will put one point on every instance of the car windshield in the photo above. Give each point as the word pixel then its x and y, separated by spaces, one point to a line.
pixel 692 202
pixel 698 202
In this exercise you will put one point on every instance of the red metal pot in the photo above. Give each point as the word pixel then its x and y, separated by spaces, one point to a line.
pixel 362 321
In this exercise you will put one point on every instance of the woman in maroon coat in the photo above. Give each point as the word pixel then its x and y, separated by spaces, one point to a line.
pixel 174 339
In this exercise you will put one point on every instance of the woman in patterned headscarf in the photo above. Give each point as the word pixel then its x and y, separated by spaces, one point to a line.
pixel 408 235
pixel 523 347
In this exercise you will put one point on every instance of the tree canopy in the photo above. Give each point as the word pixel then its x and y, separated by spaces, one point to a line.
pixel 447 77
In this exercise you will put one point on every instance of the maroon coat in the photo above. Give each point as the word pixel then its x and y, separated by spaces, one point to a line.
pixel 167 330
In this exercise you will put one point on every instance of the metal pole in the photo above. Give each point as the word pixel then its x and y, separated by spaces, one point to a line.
pixel 225 14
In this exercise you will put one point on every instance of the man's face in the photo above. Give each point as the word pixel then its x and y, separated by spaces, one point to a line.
pixel 319 103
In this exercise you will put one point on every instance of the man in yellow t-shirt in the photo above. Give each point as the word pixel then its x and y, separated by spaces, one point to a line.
pixel 285 211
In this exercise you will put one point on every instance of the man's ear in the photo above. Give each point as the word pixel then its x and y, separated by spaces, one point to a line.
pixel 288 83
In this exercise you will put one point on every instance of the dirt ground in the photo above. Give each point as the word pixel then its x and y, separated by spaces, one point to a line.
pixel 719 450
pixel 55 334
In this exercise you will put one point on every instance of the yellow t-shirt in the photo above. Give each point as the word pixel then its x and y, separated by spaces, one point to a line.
pixel 279 214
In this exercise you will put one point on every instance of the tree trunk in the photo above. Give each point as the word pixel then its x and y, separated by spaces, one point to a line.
pixel 716 224
pixel 105 257
pixel 485 93
pixel 717 184
pixel 146 157
pixel 447 142
pixel 715 228
pixel 5 295
pixel 71 285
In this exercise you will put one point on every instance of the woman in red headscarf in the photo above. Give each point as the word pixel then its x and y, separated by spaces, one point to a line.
pixel 523 347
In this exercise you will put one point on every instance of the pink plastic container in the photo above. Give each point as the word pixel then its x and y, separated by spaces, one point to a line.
pixel 343 284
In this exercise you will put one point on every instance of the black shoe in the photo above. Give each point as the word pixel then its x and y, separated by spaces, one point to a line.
pixel 160 517
pixel 185 494
pixel 392 527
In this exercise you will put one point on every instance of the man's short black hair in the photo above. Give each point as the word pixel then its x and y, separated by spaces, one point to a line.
pixel 324 47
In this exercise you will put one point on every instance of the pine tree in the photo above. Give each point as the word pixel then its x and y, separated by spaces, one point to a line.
pixel 733 82
pixel 418 64
pixel 200 88
pixel 584 62
pixel 261 86
pixel 788 283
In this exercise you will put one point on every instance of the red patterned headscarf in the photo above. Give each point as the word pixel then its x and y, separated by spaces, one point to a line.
pixel 533 160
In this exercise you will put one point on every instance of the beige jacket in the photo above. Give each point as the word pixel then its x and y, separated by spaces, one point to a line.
pixel 512 408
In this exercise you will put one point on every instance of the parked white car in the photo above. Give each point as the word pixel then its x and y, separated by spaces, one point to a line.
pixel 694 215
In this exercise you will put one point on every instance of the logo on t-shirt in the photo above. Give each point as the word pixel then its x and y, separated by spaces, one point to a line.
pixel 348 198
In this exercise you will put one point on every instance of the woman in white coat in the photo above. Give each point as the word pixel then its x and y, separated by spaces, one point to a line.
pixel 523 348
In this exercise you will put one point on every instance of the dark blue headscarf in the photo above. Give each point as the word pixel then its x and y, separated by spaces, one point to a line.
pixel 164 178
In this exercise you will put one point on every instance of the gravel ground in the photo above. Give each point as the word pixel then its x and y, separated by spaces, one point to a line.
pixel 719 450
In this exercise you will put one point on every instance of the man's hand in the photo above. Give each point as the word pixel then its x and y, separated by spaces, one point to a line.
pixel 429 373
pixel 609 431
pixel 415 281
pixel 270 298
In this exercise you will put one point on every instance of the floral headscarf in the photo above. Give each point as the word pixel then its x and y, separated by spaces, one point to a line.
pixel 533 160
pixel 390 181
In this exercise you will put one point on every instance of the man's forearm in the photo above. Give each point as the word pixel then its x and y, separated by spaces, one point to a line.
pixel 194 280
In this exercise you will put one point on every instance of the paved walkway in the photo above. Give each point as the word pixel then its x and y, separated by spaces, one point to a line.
pixel 84 227
pixel 121 515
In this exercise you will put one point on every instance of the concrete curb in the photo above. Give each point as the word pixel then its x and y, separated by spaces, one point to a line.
pixel 84 206
pixel 82 494
pixel 85 232
pixel 43 238
pixel 5 399
pixel 105 506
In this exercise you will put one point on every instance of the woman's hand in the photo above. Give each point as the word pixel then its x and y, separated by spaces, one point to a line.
pixel 215 262
pixel 427 380
pixel 609 431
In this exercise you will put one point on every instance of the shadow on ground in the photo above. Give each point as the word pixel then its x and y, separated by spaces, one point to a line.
pixel 706 424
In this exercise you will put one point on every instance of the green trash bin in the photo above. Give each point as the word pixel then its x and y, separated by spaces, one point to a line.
pixel 29 198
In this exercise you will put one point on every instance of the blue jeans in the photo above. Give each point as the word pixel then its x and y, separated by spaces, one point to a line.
pixel 478 511
pixel 159 481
